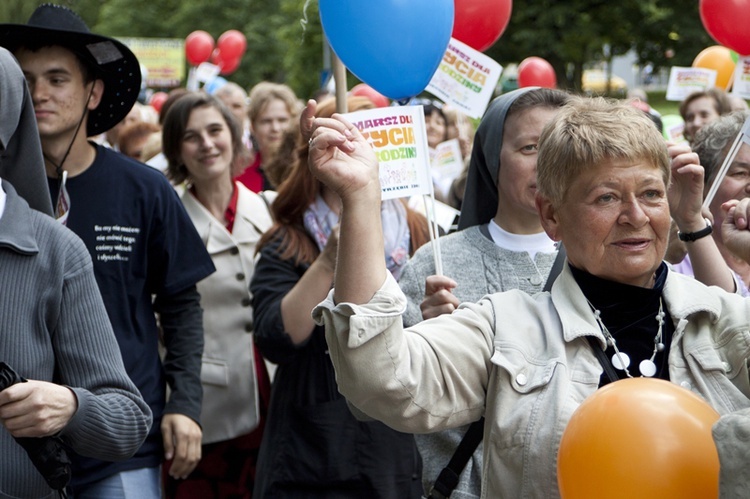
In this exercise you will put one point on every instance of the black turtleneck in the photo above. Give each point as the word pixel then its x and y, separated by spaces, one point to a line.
pixel 629 313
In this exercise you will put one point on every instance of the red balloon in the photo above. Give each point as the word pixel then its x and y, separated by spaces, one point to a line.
pixel 364 90
pixel 216 56
pixel 198 47
pixel 479 23
pixel 227 65
pixel 232 44
pixel 536 72
pixel 230 66
pixel 157 100
pixel 726 21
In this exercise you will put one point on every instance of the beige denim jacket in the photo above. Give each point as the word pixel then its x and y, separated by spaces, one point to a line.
pixel 524 363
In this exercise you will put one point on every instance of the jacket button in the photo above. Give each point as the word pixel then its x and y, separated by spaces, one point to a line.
pixel 727 366
pixel 240 276
pixel 234 251
pixel 521 379
pixel 249 327
pixel 246 302
pixel 686 384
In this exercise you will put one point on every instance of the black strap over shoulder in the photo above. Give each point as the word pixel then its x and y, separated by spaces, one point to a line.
pixel 557 267
pixel 602 358
pixel 447 480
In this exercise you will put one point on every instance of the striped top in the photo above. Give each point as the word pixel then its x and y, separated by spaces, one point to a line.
pixel 54 327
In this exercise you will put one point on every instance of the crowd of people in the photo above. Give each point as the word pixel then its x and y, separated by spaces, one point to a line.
pixel 212 300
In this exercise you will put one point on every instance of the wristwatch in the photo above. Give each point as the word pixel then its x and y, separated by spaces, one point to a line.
pixel 694 236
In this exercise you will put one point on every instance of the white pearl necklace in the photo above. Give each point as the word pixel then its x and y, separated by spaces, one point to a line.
pixel 621 360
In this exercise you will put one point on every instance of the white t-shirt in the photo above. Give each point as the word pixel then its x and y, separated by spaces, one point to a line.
pixel 531 243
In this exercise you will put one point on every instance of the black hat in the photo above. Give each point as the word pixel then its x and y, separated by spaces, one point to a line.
pixel 112 61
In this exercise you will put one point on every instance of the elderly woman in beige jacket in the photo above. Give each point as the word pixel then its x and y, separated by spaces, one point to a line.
pixel 525 362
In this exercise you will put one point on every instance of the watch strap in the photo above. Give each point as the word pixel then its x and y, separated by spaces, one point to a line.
pixel 694 236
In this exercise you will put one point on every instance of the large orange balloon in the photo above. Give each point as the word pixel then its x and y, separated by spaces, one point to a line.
pixel 640 437
pixel 720 59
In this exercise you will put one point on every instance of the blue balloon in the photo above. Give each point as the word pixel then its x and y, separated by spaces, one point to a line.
pixel 395 46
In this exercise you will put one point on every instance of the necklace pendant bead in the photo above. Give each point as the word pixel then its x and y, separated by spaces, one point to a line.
pixel 648 368
pixel 621 361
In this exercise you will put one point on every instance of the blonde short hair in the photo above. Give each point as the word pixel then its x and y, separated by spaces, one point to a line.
pixel 265 92
pixel 589 131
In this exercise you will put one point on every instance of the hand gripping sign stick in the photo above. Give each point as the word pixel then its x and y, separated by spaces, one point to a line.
pixel 743 136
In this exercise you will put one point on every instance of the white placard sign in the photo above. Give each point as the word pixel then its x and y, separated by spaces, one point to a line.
pixel 444 214
pixel 675 132
pixel 741 85
pixel 207 72
pixel 685 81
pixel 465 78
pixel 399 138
pixel 447 163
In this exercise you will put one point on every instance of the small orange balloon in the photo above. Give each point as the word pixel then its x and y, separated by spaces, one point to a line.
pixel 719 59
pixel 640 437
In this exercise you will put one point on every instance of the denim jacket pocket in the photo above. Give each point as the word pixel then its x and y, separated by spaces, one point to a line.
pixel 526 399
pixel 526 373
pixel 731 349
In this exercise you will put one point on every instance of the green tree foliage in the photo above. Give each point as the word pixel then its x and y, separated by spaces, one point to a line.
pixel 573 33
pixel 303 36
pixel 279 47
pixel 19 11
pixel 285 37
pixel 674 36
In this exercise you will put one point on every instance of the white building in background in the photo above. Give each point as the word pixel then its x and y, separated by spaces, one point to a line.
pixel 626 67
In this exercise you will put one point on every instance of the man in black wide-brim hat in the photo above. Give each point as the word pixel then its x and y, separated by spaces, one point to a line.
pixel 141 240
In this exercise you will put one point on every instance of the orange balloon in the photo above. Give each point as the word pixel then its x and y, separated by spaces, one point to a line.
pixel 639 437
pixel 719 59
